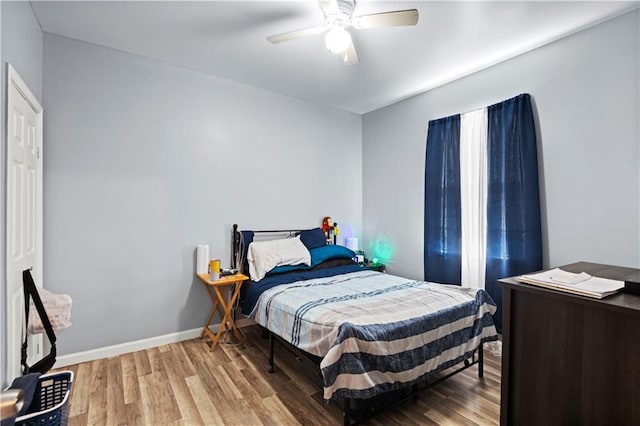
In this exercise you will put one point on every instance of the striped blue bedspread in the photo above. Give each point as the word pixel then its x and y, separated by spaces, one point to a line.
pixel 377 332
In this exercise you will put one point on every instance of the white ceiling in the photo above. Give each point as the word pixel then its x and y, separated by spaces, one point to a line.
pixel 227 39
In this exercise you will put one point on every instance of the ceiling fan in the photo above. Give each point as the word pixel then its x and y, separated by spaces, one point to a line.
pixel 338 16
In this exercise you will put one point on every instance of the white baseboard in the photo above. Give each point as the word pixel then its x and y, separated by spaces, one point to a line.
pixel 138 345
pixel 123 348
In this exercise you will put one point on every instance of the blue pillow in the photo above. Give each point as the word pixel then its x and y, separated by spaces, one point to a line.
pixel 328 252
pixel 313 238
pixel 287 268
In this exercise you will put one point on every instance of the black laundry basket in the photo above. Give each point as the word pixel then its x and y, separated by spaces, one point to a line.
pixel 50 405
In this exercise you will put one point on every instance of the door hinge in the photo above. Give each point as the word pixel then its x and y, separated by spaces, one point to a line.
pixel 37 152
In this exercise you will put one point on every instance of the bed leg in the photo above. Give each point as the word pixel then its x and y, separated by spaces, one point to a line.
pixel 346 414
pixel 271 369
pixel 481 361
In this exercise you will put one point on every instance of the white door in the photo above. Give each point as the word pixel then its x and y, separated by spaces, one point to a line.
pixel 24 213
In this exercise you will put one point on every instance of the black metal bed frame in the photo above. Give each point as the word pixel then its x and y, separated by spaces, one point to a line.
pixel 353 409
pixel 235 240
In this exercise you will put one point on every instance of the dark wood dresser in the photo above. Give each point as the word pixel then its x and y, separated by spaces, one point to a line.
pixel 570 360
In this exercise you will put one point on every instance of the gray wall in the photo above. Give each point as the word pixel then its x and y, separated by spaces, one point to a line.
pixel 22 47
pixel 585 90
pixel 146 160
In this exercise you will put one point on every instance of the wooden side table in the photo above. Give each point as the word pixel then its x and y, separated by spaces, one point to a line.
pixel 216 294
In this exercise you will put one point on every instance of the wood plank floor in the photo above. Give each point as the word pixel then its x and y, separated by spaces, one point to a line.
pixel 185 384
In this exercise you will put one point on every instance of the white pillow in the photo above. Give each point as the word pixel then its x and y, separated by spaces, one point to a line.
pixel 263 256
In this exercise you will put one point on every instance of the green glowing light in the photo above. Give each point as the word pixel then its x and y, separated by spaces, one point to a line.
pixel 381 250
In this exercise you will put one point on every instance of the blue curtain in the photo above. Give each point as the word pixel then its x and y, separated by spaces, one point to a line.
pixel 514 237
pixel 514 241
pixel 442 220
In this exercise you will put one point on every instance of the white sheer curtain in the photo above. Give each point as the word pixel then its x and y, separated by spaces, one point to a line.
pixel 473 191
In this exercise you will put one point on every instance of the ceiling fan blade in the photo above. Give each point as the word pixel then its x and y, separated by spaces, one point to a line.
pixel 387 19
pixel 350 56
pixel 329 6
pixel 279 38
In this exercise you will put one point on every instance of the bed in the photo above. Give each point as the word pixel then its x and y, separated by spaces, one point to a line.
pixel 371 334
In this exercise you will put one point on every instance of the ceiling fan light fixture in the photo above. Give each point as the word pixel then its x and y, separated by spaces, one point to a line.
pixel 338 16
pixel 337 40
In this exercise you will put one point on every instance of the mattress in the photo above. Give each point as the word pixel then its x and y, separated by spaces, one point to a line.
pixel 376 332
